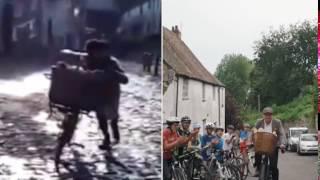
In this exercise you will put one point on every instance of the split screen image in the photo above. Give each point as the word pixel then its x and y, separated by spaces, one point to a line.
pixel 159 89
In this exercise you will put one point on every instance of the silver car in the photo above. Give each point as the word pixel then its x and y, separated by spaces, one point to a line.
pixel 308 143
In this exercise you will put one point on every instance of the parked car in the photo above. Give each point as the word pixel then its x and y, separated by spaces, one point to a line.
pixel 293 137
pixel 308 143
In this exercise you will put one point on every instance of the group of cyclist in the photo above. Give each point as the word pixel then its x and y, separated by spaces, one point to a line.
pixel 179 139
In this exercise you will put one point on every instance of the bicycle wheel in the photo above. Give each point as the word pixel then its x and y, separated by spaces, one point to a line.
pixel 178 174
pixel 234 171
pixel 213 172
pixel 237 161
pixel 244 171
pixel 68 127
pixel 188 168
pixel 263 172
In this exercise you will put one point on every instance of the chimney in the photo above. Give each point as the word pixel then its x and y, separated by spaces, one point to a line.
pixel 176 30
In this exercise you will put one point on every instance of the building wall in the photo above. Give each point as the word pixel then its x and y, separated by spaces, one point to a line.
pixel 143 20
pixel 198 109
pixel 102 5
pixel 59 11
pixel 1 8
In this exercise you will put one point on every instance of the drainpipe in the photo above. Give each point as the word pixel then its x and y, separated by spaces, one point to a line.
pixel 219 106
pixel 177 96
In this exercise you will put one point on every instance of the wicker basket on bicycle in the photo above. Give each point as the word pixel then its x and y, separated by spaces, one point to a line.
pixel 76 89
pixel 264 142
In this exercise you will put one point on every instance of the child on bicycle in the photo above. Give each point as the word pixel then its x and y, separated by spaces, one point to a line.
pixel 245 141
pixel 208 140
pixel 220 142
pixel 229 139
pixel 195 142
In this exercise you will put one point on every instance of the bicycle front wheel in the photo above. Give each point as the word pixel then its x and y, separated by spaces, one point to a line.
pixel 264 172
pixel 234 171
pixel 179 174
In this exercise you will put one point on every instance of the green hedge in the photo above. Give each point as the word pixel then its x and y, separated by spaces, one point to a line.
pixel 300 108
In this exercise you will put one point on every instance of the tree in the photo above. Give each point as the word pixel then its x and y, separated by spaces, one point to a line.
pixel 232 112
pixel 285 62
pixel 234 71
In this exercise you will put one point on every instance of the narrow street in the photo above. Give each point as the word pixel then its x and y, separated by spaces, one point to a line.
pixel 28 138
pixel 295 167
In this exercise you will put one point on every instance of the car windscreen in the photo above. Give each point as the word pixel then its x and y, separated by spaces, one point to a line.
pixel 309 138
pixel 296 133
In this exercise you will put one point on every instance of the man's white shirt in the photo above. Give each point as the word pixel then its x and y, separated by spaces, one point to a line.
pixel 267 127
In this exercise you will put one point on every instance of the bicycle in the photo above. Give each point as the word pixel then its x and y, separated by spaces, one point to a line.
pixel 177 170
pixel 70 120
pixel 193 164
pixel 238 161
pixel 265 167
pixel 223 170
pixel 265 171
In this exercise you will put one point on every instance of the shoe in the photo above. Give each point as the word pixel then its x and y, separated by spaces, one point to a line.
pixel 104 146
pixel 115 142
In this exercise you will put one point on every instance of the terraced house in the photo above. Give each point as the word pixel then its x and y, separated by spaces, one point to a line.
pixel 189 88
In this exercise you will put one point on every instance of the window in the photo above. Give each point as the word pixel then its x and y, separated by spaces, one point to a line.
pixel 185 88
pixel 213 93
pixel 203 92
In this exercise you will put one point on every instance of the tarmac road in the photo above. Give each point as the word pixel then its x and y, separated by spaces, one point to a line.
pixel 296 167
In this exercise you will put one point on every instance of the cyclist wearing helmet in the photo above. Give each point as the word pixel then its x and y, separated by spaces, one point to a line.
pixel 219 145
pixel 208 139
pixel 171 140
pixel 229 138
pixel 184 130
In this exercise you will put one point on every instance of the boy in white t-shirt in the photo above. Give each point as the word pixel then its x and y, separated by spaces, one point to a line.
pixel 228 138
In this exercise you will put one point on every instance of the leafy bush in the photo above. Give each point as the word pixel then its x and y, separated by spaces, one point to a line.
pixel 300 108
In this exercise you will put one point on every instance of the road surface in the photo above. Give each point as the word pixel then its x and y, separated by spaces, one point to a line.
pixel 295 167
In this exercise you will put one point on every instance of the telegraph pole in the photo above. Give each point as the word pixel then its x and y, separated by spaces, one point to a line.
pixel 259 103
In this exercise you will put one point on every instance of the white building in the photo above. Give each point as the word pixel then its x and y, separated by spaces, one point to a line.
pixel 189 88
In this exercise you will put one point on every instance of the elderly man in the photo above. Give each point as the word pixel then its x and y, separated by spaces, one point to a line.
pixel 269 124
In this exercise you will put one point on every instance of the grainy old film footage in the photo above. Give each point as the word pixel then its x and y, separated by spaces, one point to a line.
pixel 80 89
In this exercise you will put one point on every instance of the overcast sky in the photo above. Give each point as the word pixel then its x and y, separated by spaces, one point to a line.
pixel 213 28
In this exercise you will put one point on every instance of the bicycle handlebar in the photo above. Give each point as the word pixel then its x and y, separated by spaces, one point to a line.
pixel 193 152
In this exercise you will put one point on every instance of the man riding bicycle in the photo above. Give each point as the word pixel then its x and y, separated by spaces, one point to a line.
pixel 171 141
pixel 269 124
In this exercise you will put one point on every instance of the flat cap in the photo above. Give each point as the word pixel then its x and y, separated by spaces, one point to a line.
pixel 267 110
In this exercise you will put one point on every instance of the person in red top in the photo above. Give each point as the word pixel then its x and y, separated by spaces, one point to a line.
pixel 171 140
